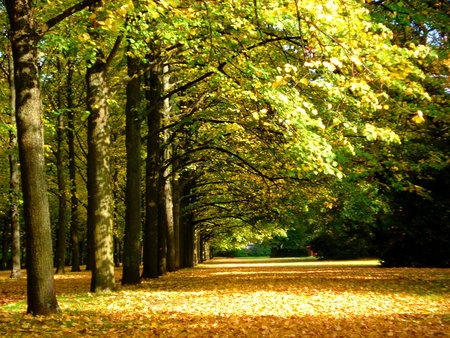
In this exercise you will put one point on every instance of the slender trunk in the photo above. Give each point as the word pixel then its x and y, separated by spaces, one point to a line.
pixel 62 218
pixel 197 247
pixel 133 217
pixel 166 183
pixel 162 226
pixel 169 220
pixel 100 218
pixel 5 243
pixel 151 235
pixel 14 182
pixel 116 213
pixel 176 195
pixel 24 41
pixel 190 243
pixel 62 199
pixel 186 223
pixel 116 252
pixel 74 212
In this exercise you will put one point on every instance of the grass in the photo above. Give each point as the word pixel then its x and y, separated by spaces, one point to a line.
pixel 249 297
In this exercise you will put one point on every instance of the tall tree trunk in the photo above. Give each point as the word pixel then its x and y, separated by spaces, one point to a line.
pixel 24 40
pixel 167 197
pixel 100 193
pixel 74 212
pixel 100 217
pixel 116 213
pixel 14 181
pixel 176 202
pixel 166 183
pixel 162 225
pixel 187 221
pixel 5 242
pixel 62 200
pixel 133 217
pixel 151 235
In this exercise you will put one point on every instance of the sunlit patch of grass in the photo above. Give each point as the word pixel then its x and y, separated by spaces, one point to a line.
pixel 15 307
pixel 290 262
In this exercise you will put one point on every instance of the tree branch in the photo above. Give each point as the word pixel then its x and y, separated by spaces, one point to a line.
pixel 65 14
pixel 114 50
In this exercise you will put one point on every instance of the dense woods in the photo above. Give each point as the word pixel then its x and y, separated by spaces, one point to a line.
pixel 157 132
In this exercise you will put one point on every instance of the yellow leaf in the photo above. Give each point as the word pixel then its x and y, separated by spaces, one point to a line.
pixel 278 82
pixel 418 118
pixel 304 81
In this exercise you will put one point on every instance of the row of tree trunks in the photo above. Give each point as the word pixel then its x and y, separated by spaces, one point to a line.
pixel 164 244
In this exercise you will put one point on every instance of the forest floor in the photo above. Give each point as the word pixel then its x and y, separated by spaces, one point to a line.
pixel 245 297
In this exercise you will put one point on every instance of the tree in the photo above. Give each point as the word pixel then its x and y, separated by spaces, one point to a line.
pixel 133 221
pixel 100 217
pixel 26 32
pixel 14 180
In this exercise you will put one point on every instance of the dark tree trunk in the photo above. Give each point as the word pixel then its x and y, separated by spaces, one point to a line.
pixel 116 214
pixel 62 198
pixel 176 202
pixel 187 221
pixel 117 249
pixel 5 242
pixel 24 40
pixel 151 235
pixel 133 217
pixel 90 247
pixel 162 226
pixel 100 217
pixel 14 185
pixel 74 212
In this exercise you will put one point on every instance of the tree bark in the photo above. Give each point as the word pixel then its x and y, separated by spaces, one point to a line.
pixel 24 41
pixel 100 192
pixel 62 198
pixel 166 182
pixel 14 184
pixel 5 242
pixel 100 217
pixel 153 92
pixel 187 221
pixel 74 212
pixel 176 202
pixel 133 217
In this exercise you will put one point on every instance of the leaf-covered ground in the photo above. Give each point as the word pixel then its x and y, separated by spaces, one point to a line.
pixel 243 297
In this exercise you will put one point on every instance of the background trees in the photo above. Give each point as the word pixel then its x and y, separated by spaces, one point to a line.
pixel 261 119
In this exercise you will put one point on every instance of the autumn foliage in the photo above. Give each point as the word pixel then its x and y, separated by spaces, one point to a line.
pixel 245 297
